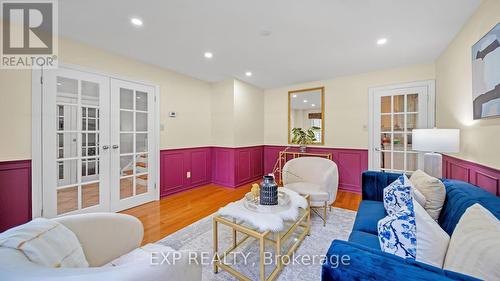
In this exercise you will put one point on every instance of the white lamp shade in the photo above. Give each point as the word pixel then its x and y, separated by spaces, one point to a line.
pixel 436 140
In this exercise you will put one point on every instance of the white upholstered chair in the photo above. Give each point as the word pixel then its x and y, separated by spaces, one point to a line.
pixel 104 237
pixel 315 176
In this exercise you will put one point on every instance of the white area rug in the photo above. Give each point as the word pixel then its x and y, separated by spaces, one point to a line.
pixel 199 237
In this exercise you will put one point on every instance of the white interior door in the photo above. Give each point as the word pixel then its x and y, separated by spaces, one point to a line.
pixel 395 112
pixel 99 143
pixel 75 123
pixel 133 170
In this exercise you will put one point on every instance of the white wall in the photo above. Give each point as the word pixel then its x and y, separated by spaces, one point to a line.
pixel 480 140
pixel 248 114
pixel 222 104
pixel 237 114
pixel 15 114
pixel 346 105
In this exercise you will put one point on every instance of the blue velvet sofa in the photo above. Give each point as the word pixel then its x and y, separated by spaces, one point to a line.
pixel 368 262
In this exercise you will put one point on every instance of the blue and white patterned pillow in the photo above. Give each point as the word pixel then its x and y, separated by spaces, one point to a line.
pixel 397 196
pixel 397 235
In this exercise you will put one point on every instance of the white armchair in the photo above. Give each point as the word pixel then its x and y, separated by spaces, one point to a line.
pixel 104 237
pixel 315 176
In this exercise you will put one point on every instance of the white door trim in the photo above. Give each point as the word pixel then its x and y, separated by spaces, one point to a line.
pixel 431 113
pixel 36 132
pixel 36 144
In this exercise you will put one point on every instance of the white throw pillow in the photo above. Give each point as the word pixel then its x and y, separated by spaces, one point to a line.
pixel 418 196
pixel 475 244
pixel 46 242
pixel 432 240
pixel 432 189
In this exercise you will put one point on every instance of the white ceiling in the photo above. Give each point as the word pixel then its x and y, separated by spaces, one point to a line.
pixel 310 40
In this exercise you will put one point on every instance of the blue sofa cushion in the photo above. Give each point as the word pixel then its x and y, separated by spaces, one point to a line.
pixel 370 264
pixel 369 213
pixel 373 184
pixel 460 196
pixel 365 239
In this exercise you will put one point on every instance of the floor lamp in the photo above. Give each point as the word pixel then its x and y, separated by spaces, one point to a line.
pixel 434 142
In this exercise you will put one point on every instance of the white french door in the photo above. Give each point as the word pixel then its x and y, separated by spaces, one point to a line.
pixel 132 124
pixel 75 125
pixel 395 112
pixel 98 140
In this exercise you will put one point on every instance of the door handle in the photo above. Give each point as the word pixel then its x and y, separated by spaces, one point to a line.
pixel 115 146
pixel 105 147
pixel 377 149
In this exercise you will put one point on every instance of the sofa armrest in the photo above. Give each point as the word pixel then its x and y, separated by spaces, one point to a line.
pixel 373 184
pixel 105 236
pixel 14 266
pixel 370 264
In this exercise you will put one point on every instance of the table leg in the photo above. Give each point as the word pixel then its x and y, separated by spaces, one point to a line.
pixel 261 251
pixel 216 246
pixel 308 216
pixel 324 214
pixel 278 251
pixel 235 236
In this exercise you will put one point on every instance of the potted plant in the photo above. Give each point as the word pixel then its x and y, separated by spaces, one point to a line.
pixel 303 137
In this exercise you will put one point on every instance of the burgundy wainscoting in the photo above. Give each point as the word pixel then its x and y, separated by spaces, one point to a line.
pixel 223 166
pixel 232 167
pixel 350 162
pixel 175 165
pixel 485 177
pixel 15 193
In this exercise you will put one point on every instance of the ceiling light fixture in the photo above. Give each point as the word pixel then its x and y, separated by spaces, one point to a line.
pixel 381 41
pixel 313 105
pixel 248 73
pixel 294 96
pixel 305 101
pixel 136 21
pixel 265 33
pixel 208 55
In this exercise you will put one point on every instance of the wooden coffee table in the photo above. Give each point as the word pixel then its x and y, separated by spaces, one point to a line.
pixel 277 238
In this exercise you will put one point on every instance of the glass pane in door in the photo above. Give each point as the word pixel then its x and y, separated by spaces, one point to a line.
pixel 77 144
pixel 386 104
pixel 134 149
pixel 67 199
pixel 398 117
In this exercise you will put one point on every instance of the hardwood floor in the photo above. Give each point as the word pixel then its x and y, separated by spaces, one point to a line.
pixel 177 211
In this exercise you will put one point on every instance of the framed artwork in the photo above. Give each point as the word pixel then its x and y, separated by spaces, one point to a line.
pixel 486 75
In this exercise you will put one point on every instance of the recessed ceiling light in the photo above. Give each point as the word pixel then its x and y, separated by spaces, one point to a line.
pixel 136 21
pixel 294 96
pixel 305 100
pixel 208 55
pixel 265 33
pixel 248 73
pixel 313 105
pixel 381 41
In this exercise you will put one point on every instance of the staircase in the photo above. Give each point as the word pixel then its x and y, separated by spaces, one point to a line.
pixel 141 164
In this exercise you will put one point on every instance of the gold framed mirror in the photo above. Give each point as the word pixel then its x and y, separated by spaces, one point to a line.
pixel 306 116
